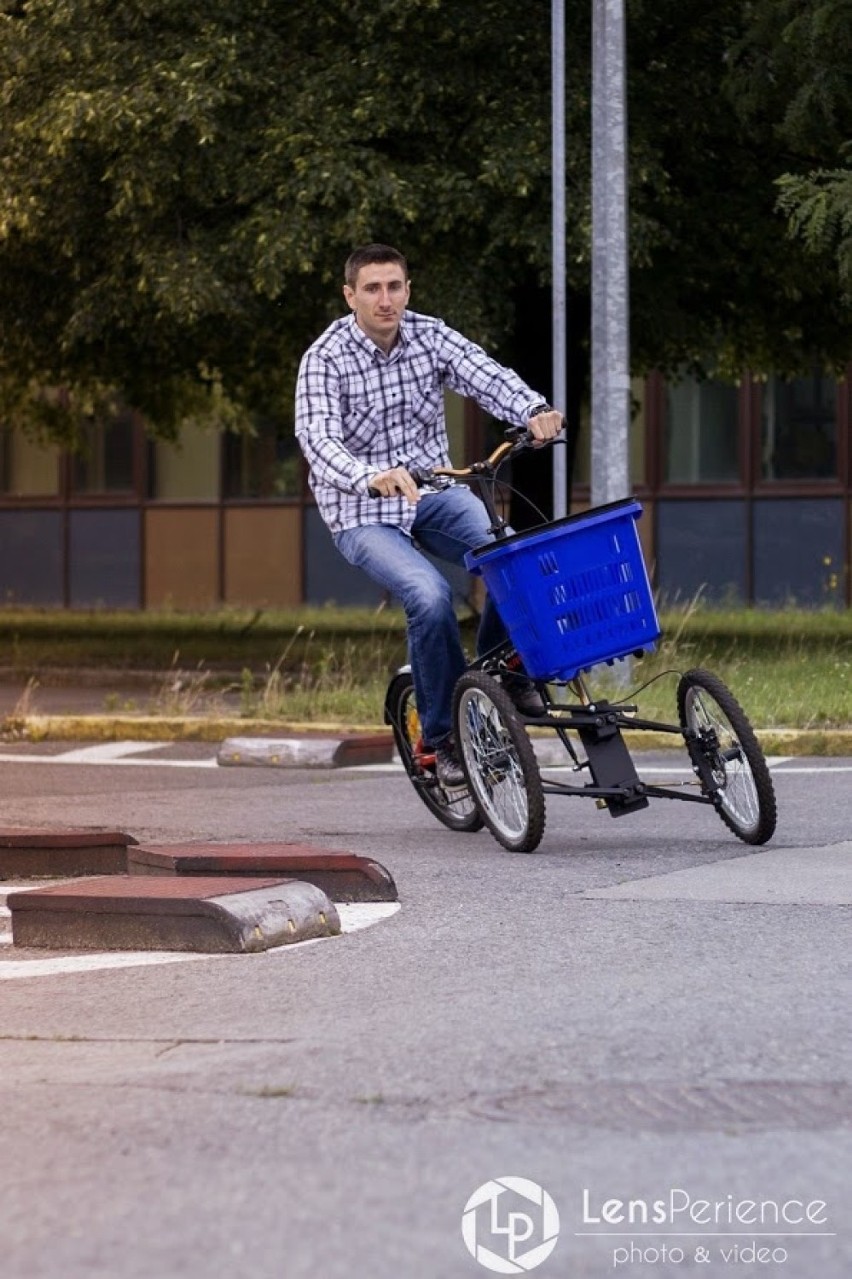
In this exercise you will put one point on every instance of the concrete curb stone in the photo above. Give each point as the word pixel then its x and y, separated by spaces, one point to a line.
pixel 35 854
pixel 321 741
pixel 296 752
pixel 345 877
pixel 209 914
pixel 306 752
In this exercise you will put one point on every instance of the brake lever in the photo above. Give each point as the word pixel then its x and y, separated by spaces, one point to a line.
pixel 522 435
pixel 526 440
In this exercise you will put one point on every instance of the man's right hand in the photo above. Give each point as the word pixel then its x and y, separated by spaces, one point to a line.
pixel 545 426
pixel 396 483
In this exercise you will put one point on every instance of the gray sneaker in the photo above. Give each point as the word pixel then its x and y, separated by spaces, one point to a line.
pixel 447 767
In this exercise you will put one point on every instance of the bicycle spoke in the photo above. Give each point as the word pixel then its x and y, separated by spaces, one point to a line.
pixel 733 772
pixel 454 808
pixel 497 765
pixel 741 786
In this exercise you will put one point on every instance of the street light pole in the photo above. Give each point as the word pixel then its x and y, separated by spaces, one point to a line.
pixel 610 289
pixel 559 326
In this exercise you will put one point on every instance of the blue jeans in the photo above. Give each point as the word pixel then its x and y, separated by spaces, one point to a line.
pixel 446 525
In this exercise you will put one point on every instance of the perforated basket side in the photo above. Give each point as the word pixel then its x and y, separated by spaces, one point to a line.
pixel 574 594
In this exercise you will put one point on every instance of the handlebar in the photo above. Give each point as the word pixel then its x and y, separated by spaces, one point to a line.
pixel 517 438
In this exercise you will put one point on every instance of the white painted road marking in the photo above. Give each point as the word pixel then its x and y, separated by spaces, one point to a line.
pixel 84 757
pixel 106 752
pixel 124 755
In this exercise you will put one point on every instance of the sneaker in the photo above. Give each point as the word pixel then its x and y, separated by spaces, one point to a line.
pixel 448 770
pixel 526 697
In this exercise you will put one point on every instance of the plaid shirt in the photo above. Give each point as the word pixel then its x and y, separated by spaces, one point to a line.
pixel 360 411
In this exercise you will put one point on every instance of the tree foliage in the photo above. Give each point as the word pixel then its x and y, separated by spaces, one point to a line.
pixel 791 75
pixel 181 183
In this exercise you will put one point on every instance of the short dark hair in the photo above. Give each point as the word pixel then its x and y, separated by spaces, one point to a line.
pixel 371 255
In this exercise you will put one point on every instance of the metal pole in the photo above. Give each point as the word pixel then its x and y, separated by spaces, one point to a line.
pixel 610 291
pixel 559 329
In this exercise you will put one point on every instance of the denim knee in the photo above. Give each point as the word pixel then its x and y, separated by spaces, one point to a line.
pixel 428 601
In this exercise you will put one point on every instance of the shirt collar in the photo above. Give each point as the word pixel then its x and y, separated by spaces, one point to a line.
pixel 367 344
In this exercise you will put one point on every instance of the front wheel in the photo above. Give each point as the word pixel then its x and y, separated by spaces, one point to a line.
pixel 454 808
pixel 499 762
pixel 727 756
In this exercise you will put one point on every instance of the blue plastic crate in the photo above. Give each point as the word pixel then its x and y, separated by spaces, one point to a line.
pixel 573 593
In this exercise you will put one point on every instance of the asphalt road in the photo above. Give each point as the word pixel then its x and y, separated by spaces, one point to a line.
pixel 644 1017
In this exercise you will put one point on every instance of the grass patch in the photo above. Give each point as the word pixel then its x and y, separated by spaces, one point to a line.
pixel 776 692
pixel 790 669
pixel 37 640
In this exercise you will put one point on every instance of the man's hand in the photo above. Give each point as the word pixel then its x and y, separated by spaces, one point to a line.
pixel 396 483
pixel 544 426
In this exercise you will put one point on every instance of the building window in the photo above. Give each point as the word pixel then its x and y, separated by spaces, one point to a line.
pixel 582 473
pixel 638 430
pixel 701 432
pixel 266 464
pixel 27 467
pixel 186 469
pixel 798 428
pixel 104 463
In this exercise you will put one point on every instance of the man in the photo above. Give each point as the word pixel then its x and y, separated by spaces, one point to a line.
pixel 369 405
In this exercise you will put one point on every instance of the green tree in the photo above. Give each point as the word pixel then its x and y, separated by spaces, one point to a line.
pixel 791 72
pixel 181 183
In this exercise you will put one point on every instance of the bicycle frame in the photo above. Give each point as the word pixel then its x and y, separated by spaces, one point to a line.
pixel 599 725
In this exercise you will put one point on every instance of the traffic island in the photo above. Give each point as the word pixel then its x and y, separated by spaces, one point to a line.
pixel 210 914
pixel 345 877
pixel 53 854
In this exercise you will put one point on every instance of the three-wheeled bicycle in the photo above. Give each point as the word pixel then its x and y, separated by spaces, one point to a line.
pixel 574 594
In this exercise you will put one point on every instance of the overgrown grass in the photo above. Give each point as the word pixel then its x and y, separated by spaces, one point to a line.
pixel 789 669
pixel 786 690
pixel 36 640
pixel 321 679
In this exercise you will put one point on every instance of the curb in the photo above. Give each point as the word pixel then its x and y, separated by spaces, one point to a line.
pixel 154 728
pixel 306 752
pixel 345 877
pixel 30 854
pixel 211 914
pixel 158 728
pixel 773 741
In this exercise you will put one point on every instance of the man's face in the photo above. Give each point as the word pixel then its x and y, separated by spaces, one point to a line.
pixel 378 298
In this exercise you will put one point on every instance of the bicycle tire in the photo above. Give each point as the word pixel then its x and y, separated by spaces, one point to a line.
pixel 499 762
pixel 743 792
pixel 454 809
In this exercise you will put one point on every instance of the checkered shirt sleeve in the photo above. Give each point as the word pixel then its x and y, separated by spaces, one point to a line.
pixel 360 411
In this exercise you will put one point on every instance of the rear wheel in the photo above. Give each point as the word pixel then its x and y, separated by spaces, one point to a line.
pixel 728 756
pixel 455 808
pixel 499 762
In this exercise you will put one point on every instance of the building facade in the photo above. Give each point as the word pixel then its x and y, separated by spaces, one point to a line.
pixel 747 493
